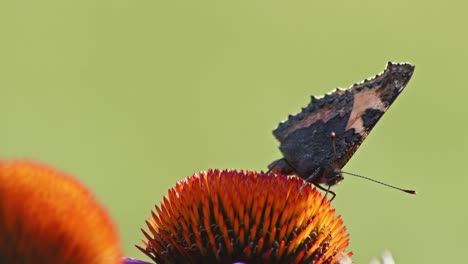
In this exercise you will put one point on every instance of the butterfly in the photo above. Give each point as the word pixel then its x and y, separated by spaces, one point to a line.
pixel 318 142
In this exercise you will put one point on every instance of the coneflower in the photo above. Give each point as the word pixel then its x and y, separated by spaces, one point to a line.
pixel 244 217
pixel 47 217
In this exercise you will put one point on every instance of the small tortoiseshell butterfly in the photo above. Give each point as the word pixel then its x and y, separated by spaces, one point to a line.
pixel 319 141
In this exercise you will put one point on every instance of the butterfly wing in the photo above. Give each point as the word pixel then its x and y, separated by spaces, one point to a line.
pixel 305 139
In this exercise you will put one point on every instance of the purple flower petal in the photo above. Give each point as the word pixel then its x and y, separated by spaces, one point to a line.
pixel 134 261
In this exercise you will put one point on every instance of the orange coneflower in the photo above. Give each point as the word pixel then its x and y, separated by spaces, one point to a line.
pixel 246 217
pixel 47 217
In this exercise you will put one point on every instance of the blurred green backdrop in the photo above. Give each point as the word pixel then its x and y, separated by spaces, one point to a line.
pixel 132 96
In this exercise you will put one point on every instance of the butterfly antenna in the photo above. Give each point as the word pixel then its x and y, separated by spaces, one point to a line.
pixel 388 185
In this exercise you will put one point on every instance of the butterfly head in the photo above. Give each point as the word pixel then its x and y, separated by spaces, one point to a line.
pixel 332 177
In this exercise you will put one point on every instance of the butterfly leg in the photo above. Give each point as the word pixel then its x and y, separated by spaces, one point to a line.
pixel 326 190
pixel 332 193
pixel 310 179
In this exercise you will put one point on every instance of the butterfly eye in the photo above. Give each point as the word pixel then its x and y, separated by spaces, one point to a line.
pixel 337 174
pixel 334 178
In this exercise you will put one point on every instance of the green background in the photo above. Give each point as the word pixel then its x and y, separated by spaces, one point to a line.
pixel 132 96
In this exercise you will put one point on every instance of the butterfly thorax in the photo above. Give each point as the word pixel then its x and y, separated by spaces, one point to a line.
pixel 326 174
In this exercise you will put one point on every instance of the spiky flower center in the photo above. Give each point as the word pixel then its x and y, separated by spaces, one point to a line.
pixel 228 216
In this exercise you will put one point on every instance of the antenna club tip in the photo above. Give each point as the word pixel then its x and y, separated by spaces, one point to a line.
pixel 411 192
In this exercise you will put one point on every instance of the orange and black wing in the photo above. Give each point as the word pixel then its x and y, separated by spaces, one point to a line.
pixel 305 138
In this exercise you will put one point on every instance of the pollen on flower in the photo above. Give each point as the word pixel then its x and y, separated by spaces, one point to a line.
pixel 48 217
pixel 228 216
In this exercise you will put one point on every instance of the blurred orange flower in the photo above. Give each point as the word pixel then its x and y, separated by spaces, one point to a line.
pixel 48 217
